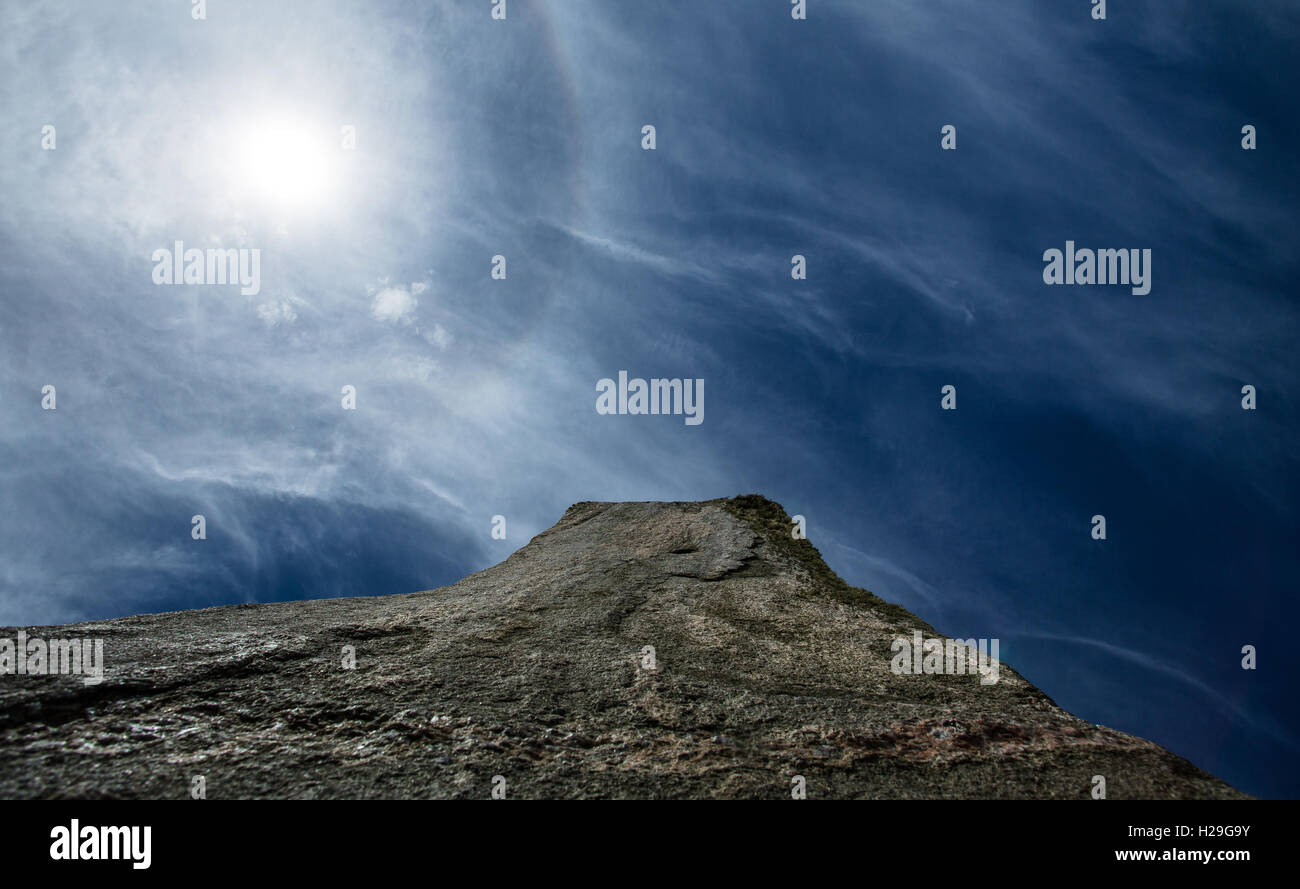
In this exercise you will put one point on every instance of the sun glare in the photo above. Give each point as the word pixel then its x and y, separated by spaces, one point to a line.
pixel 286 162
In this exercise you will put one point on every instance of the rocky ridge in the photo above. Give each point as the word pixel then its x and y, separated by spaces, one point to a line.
pixel 766 666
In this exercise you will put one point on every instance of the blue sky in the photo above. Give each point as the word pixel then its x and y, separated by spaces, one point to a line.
pixel 475 397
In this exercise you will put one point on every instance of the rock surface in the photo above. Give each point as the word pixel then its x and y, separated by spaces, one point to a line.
pixel 768 666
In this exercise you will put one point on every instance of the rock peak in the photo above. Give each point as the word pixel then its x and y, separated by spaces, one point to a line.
pixel 688 649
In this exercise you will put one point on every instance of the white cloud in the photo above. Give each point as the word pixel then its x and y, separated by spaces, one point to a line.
pixel 277 311
pixel 440 337
pixel 395 304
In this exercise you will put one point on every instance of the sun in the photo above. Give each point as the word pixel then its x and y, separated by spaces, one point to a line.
pixel 286 162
